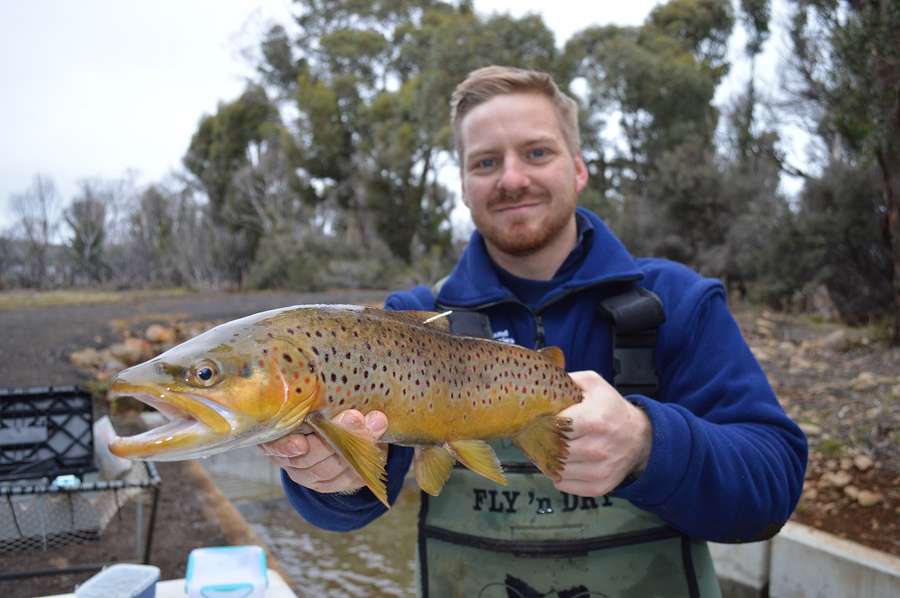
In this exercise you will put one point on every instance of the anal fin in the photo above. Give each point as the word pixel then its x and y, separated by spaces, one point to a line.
pixel 432 466
pixel 544 442
pixel 360 452
pixel 478 456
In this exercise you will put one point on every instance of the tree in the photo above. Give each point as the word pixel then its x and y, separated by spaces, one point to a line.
pixel 845 69
pixel 371 83
pixel 656 83
pixel 37 212
pixel 87 221
pixel 224 144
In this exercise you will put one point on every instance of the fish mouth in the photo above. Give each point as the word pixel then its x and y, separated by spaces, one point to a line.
pixel 195 425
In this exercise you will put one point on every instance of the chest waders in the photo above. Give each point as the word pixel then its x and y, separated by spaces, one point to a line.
pixel 529 540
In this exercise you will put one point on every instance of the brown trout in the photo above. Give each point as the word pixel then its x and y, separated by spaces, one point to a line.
pixel 261 377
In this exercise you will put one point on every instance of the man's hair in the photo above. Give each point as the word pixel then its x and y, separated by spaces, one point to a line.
pixel 488 82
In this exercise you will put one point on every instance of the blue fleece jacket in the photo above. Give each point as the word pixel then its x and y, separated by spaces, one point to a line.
pixel 726 464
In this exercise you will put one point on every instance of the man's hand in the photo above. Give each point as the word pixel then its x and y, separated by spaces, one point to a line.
pixel 610 439
pixel 310 462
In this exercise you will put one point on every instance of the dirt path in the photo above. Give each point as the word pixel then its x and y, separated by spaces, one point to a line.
pixel 35 343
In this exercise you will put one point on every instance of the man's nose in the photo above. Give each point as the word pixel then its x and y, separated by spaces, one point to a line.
pixel 513 176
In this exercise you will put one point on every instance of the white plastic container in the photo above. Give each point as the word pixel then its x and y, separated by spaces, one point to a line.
pixel 121 581
pixel 227 572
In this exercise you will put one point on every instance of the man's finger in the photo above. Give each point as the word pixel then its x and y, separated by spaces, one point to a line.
pixel 376 424
pixel 292 445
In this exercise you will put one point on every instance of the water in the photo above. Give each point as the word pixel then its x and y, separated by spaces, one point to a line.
pixel 378 560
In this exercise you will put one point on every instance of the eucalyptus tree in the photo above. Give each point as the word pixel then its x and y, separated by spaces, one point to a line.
pixel 843 78
pixel 655 83
pixel 370 84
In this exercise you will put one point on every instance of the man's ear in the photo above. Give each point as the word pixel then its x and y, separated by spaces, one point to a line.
pixel 581 174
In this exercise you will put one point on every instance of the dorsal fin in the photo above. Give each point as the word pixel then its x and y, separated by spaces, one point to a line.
pixel 554 355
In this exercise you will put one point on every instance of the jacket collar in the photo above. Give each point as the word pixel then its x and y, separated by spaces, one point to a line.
pixel 474 282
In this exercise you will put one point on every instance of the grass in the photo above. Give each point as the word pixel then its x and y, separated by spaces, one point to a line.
pixel 831 447
pixel 28 298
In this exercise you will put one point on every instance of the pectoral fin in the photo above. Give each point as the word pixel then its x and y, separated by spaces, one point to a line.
pixel 478 456
pixel 361 453
pixel 544 441
pixel 432 465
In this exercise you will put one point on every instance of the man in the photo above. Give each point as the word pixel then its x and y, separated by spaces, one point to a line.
pixel 711 457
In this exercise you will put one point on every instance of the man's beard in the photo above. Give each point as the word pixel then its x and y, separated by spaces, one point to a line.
pixel 521 241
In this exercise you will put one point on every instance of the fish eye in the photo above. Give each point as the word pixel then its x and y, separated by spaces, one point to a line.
pixel 204 373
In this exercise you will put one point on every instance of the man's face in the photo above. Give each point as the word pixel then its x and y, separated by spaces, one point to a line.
pixel 519 178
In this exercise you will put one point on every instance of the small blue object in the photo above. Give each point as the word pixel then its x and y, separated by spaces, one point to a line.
pixel 66 481
pixel 227 572
pixel 121 581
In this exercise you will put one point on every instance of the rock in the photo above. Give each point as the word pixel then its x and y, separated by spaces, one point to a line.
pixel 799 364
pixel 863 462
pixel 851 491
pixel 128 354
pixel 786 347
pixel 835 341
pixel 157 333
pixel 810 494
pixel 838 479
pixel 864 381
pixel 112 364
pixel 141 346
pixel 867 499
pixel 810 429
pixel 86 358
pixel 846 463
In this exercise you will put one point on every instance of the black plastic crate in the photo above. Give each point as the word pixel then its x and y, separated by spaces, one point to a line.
pixel 45 432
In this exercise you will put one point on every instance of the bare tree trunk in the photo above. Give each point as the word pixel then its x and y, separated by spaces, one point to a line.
pixel 889 164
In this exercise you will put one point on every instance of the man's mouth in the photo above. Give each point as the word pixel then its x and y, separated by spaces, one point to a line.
pixel 520 206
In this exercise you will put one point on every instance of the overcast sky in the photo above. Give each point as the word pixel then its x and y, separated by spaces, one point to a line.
pixel 98 87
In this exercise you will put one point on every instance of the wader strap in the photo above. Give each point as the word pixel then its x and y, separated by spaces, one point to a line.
pixel 634 317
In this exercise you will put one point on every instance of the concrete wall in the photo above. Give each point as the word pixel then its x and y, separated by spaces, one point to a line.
pixel 802 562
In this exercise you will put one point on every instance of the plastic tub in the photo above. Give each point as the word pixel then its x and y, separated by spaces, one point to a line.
pixel 227 572
pixel 121 581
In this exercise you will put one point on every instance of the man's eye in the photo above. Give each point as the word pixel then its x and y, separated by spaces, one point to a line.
pixel 537 153
pixel 485 163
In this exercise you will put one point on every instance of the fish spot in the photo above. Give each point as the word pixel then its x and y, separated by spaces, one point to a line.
pixel 287 358
pixel 333 377
pixel 290 331
pixel 260 363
